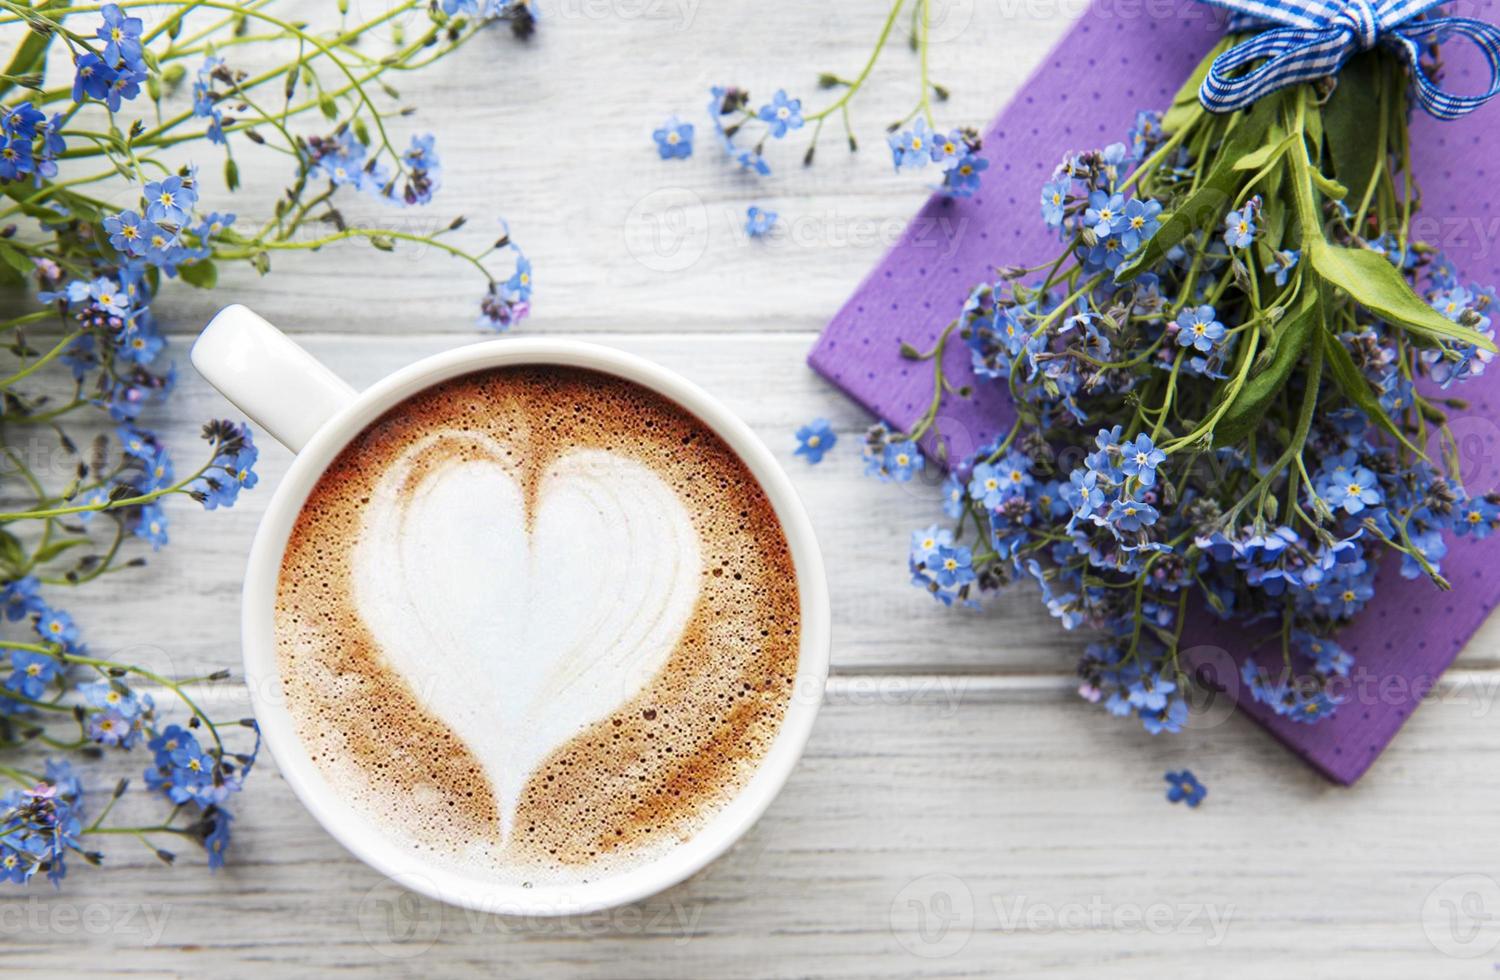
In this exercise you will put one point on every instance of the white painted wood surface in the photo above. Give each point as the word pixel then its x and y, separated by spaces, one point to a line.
pixel 960 811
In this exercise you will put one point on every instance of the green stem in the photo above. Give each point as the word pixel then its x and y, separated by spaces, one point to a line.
pixel 859 80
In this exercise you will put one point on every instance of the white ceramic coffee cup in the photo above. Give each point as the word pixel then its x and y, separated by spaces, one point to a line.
pixel 313 412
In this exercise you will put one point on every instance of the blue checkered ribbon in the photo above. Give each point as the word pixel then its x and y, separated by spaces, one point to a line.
pixel 1299 40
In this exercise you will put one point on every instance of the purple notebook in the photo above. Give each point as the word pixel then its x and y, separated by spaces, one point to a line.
pixel 1114 61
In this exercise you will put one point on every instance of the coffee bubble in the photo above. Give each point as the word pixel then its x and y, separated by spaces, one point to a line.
pixel 538 623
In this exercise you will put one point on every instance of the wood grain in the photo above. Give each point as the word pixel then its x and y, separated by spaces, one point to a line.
pixel 953 775
pixel 1043 824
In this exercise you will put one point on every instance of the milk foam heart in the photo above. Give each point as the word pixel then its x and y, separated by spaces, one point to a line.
pixel 520 619
pixel 537 624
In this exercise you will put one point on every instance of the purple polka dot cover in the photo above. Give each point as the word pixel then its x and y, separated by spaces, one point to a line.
pixel 1117 59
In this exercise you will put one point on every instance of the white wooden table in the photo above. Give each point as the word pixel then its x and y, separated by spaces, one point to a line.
pixel 960 811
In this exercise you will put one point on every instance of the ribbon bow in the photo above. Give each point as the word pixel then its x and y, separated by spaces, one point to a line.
pixel 1300 40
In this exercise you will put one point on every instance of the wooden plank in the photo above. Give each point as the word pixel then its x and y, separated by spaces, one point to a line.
pixel 986 813
pixel 554 135
pixel 880 621
pixel 953 774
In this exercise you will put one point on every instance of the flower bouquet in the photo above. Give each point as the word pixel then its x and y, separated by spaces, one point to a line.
pixel 1232 383
pixel 92 100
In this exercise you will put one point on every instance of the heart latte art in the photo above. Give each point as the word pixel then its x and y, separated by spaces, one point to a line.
pixel 519 625
pixel 537 622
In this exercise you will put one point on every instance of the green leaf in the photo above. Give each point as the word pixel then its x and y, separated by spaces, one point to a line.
pixel 1372 282
pixel 1352 383
pixel 17 260
pixel 1349 120
pixel 1256 159
pixel 1254 399
pixel 1312 124
pixel 1209 203
pixel 202 273
pixel 12 555
pixel 1185 107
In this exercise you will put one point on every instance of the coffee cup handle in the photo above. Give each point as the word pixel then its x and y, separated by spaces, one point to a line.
pixel 268 376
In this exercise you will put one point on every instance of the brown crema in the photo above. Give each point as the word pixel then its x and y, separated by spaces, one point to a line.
pixel 627 786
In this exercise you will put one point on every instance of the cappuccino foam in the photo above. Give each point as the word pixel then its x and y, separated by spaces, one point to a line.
pixel 537 623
